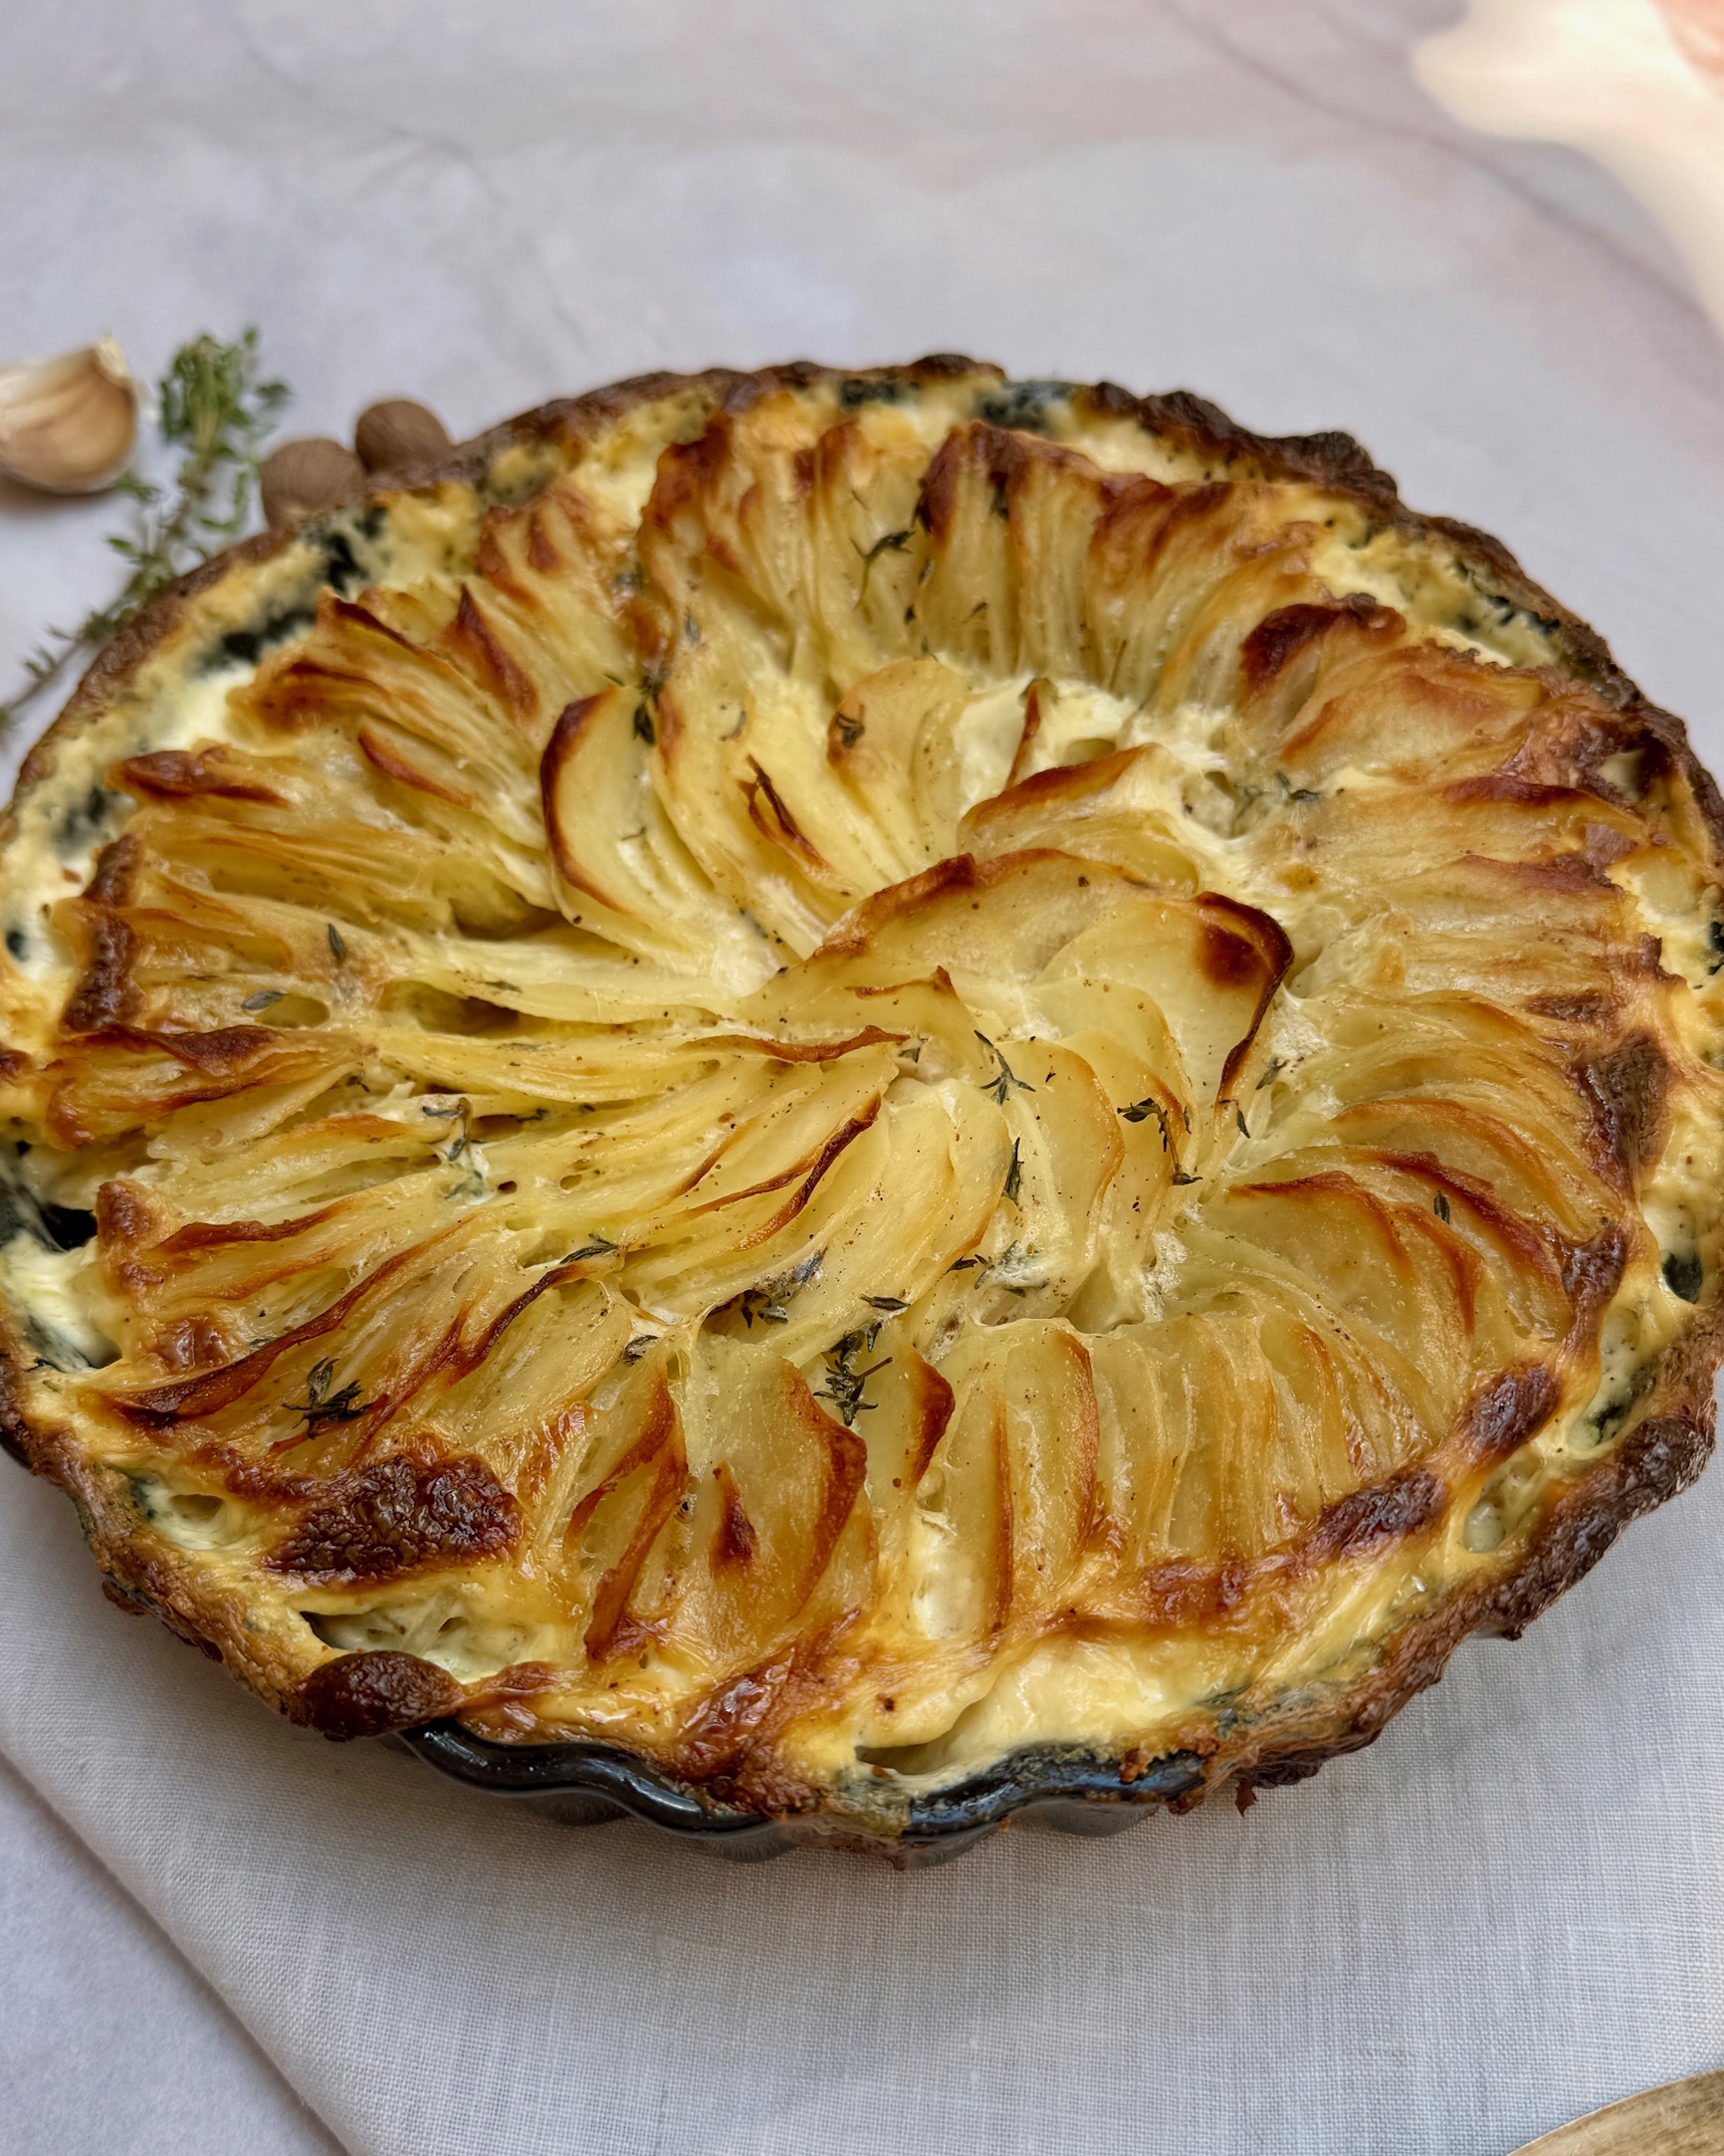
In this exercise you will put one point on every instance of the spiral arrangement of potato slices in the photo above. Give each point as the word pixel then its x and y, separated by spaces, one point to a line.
pixel 923 1081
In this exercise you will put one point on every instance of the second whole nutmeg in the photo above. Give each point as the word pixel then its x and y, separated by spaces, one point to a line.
pixel 304 478
pixel 397 435
pixel 311 476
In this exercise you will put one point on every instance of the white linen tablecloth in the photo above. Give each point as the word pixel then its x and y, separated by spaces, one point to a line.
pixel 1505 1912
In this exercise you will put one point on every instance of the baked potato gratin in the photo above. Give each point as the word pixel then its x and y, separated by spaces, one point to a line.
pixel 855 1080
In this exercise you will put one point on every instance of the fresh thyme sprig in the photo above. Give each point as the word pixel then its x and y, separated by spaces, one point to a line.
pixel 215 408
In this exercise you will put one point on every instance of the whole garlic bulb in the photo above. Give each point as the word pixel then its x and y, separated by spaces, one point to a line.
pixel 68 425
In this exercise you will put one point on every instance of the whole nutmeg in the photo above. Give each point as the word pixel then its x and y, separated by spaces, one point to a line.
pixel 303 478
pixel 398 434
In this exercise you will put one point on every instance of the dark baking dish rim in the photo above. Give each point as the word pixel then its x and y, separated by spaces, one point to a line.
pixel 1067 1786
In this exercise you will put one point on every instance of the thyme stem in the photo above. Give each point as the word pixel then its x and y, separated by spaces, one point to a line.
pixel 215 408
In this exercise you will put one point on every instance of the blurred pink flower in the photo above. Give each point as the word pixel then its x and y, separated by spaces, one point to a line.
pixel 1699 29
pixel 1638 84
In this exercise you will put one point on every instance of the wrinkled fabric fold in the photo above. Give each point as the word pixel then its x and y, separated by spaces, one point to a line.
pixel 1503 1913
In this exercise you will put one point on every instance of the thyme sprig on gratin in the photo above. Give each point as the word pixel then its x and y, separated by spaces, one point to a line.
pixel 322 1405
pixel 1141 1111
pixel 844 1382
pixel 214 405
pixel 1005 1081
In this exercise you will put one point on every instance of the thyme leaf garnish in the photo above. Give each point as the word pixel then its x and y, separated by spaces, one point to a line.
pixel 844 1382
pixel 459 1153
pixel 213 406
pixel 888 543
pixel 1014 1173
pixel 337 944
pixel 891 1304
pixel 1010 1272
pixel 652 680
pixel 767 1301
pixel 1005 1080
pixel 1141 1111
pixel 262 999
pixel 595 1245
pixel 321 1406
pixel 1439 1205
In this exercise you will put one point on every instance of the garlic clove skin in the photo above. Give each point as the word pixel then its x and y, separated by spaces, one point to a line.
pixel 68 425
